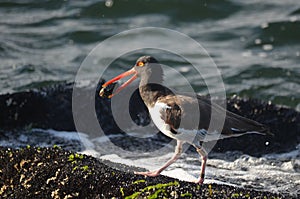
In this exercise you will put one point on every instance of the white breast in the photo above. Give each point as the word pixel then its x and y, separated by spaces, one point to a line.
pixel 155 113
pixel 191 136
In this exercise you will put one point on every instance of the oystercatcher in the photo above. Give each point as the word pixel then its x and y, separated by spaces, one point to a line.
pixel 168 109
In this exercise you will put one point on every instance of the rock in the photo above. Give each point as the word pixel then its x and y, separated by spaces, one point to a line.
pixel 56 173
pixel 51 107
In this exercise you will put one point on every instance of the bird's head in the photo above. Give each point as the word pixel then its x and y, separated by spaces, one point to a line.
pixel 145 67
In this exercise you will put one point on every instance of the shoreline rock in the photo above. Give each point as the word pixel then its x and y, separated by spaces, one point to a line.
pixel 55 173
pixel 51 107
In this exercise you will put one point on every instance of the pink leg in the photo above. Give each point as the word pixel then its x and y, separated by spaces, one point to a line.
pixel 203 155
pixel 178 151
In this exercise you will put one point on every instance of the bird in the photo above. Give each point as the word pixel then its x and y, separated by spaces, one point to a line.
pixel 168 109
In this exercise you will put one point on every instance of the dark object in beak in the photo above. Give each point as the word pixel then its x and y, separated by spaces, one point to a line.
pixel 102 92
pixel 107 91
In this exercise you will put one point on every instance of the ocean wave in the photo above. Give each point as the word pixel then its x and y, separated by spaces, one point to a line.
pixel 281 33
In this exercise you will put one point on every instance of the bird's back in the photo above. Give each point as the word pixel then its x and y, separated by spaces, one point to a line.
pixel 188 114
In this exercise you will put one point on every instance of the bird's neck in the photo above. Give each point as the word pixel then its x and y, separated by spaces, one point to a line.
pixel 151 92
pixel 151 87
pixel 154 76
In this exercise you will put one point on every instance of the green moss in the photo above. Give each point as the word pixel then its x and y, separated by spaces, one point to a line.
pixel 74 157
pixel 158 188
pixel 85 168
pixel 71 158
pixel 156 194
pixel 235 195
pixel 76 167
pixel 187 194
pixel 56 146
pixel 122 191
pixel 79 156
pixel 134 195
pixel 10 154
pixel 210 190
pixel 139 181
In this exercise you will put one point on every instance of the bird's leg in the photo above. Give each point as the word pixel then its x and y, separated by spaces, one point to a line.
pixel 203 155
pixel 178 151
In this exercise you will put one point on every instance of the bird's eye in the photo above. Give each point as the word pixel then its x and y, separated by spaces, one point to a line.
pixel 140 63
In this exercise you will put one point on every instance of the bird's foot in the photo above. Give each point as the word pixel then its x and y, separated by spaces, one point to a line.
pixel 199 181
pixel 148 173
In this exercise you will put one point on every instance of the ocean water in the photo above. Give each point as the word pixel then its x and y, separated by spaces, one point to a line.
pixel 255 45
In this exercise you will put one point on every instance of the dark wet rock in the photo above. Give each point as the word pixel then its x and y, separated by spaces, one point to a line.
pixel 48 107
pixel 56 173
pixel 51 107
pixel 283 122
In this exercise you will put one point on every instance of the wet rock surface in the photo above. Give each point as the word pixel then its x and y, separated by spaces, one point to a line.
pixel 55 173
pixel 51 107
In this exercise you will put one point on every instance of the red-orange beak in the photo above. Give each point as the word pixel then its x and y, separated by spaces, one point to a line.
pixel 125 74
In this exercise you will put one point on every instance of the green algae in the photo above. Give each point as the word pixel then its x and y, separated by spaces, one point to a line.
pixel 157 189
pixel 139 181
pixel 187 194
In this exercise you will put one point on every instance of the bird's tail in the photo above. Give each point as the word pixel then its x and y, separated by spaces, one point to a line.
pixel 236 124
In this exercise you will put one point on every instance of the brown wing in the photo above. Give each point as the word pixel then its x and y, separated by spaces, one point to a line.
pixel 192 113
pixel 181 112
pixel 172 114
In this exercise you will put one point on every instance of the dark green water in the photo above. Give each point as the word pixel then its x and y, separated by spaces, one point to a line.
pixel 255 44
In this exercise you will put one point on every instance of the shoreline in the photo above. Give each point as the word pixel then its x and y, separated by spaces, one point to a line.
pixel 55 173
pixel 51 108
